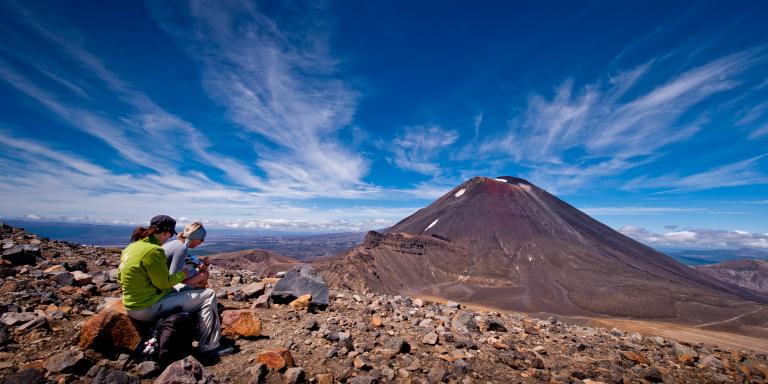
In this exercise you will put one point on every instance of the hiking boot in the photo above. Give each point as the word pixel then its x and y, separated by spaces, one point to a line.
pixel 218 352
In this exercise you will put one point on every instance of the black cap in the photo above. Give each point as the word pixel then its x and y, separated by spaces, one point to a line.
pixel 164 223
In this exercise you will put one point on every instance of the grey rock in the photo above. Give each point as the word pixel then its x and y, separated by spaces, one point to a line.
pixel 294 376
pixel 653 375
pixel 430 338
pixel 301 280
pixel 460 367
pixel 253 289
pixel 21 255
pixel 437 374
pixel 13 318
pixel 64 279
pixel 148 369
pixel 5 335
pixel 464 322
pixel 109 287
pixel 114 377
pixel 364 379
pixel 398 344
pixel 258 373
pixel 27 376
pixel 70 361
pixel 711 362
pixel 187 370
pixel 495 326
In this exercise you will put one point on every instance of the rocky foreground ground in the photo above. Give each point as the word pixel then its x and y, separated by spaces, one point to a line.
pixel 49 290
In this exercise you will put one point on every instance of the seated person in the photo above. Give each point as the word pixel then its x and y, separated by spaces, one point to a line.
pixel 147 285
pixel 178 257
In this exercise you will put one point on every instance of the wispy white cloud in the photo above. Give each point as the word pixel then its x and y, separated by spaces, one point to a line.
pixel 420 147
pixel 279 84
pixel 701 238
pixel 613 125
pixel 637 210
pixel 761 131
pixel 746 172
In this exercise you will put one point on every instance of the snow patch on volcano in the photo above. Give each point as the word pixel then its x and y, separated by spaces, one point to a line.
pixel 461 192
pixel 431 225
pixel 502 180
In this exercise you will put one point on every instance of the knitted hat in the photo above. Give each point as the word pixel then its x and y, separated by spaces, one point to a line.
pixel 193 231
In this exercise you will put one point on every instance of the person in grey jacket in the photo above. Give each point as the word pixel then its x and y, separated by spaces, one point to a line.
pixel 177 253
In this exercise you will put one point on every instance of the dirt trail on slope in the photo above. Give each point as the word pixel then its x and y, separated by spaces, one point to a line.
pixel 680 332
pixel 691 334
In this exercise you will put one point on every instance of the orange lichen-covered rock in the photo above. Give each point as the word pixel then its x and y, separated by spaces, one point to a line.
pixel 110 329
pixel 276 360
pixel 302 303
pixel 240 323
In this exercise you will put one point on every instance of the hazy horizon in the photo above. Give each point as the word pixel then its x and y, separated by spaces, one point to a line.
pixel 331 117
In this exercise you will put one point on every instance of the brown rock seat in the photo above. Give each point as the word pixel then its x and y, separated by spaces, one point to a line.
pixel 111 329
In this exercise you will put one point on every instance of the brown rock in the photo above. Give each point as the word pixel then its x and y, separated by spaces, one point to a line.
pixel 69 361
pixel 261 301
pixel 324 378
pixel 376 321
pixel 110 329
pixel 9 286
pixel 636 357
pixel 275 360
pixel 82 278
pixel 240 323
pixel 69 290
pixel 302 303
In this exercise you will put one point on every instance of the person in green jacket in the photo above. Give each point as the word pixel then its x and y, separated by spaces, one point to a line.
pixel 148 287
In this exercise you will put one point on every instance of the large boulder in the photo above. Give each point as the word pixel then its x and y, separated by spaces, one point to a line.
pixel 240 323
pixel 298 281
pixel 185 371
pixel 110 330
pixel 21 255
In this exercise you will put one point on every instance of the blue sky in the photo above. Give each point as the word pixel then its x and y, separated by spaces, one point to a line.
pixel 652 117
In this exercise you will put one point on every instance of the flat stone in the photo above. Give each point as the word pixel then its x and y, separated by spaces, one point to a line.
pixel 13 318
pixel 70 361
pixel 253 289
pixel 147 369
pixel 55 269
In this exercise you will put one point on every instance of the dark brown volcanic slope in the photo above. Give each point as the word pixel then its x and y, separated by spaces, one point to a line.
pixel 256 260
pixel 752 274
pixel 509 244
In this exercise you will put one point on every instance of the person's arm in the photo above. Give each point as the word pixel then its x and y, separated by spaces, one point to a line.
pixel 155 265
pixel 179 255
pixel 197 279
